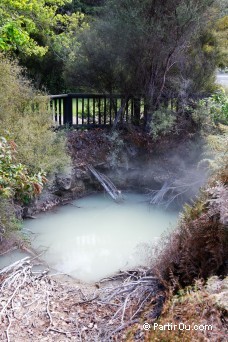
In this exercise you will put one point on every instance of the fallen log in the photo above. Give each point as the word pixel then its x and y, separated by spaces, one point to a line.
pixel 107 184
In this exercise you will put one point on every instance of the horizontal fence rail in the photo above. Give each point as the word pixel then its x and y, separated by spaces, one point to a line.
pixel 94 109
pixel 99 110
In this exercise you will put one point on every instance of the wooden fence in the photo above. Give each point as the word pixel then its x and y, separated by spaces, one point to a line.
pixel 99 110
pixel 95 110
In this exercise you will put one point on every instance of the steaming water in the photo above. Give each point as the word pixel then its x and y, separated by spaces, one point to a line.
pixel 95 237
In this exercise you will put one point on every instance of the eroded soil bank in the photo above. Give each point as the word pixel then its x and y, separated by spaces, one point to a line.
pixel 131 159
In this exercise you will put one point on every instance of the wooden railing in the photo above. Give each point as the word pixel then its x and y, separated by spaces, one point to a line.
pixel 99 110
pixel 95 110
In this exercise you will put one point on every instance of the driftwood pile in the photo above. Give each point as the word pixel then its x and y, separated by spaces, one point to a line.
pixel 35 306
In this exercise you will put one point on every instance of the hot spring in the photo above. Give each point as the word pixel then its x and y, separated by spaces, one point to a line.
pixel 94 237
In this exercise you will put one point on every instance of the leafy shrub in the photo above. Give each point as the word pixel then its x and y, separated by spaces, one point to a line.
pixel 8 220
pixel 26 120
pixel 15 181
pixel 218 106
pixel 212 111
pixel 218 145
pixel 163 121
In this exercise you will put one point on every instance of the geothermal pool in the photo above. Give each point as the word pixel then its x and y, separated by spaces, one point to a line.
pixel 94 237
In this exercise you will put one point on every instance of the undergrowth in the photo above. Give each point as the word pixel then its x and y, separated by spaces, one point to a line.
pixel 25 119
pixel 29 148
pixel 15 180
pixel 8 220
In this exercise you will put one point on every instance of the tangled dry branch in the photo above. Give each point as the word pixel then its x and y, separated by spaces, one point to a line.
pixel 36 304
pixel 177 191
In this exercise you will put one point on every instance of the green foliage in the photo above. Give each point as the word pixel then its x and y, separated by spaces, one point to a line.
pixel 221 32
pixel 40 35
pixel 212 111
pixel 116 151
pixel 65 37
pixel 89 7
pixel 26 120
pixel 15 181
pixel 163 121
pixel 58 37
pixel 218 145
pixel 218 106
pixel 21 20
pixel 141 47
pixel 8 220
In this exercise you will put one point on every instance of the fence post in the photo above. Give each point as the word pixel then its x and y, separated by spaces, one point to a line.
pixel 67 110
pixel 146 116
pixel 136 117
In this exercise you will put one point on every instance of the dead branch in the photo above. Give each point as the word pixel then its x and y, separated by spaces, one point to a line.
pixel 124 326
pixel 61 331
pixel 97 316
pixel 15 265
pixel 14 293
pixel 8 328
pixel 171 192
pixel 120 111
pixel 47 308
pixel 107 184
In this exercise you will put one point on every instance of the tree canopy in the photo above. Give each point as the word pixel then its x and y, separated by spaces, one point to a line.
pixel 142 47
pixel 31 26
pixel 150 47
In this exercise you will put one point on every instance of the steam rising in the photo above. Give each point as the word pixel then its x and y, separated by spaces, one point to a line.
pixel 170 178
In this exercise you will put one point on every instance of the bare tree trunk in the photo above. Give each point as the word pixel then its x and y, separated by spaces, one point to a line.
pixel 120 111
pixel 167 67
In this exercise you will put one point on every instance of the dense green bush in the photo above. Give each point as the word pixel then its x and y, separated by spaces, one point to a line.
pixel 25 119
pixel 8 220
pixel 212 111
pixel 206 115
pixel 15 181
pixel 163 121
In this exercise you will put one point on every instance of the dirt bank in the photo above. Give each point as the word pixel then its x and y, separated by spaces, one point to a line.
pixel 130 158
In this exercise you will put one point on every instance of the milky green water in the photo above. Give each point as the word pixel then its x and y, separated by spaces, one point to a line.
pixel 95 237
